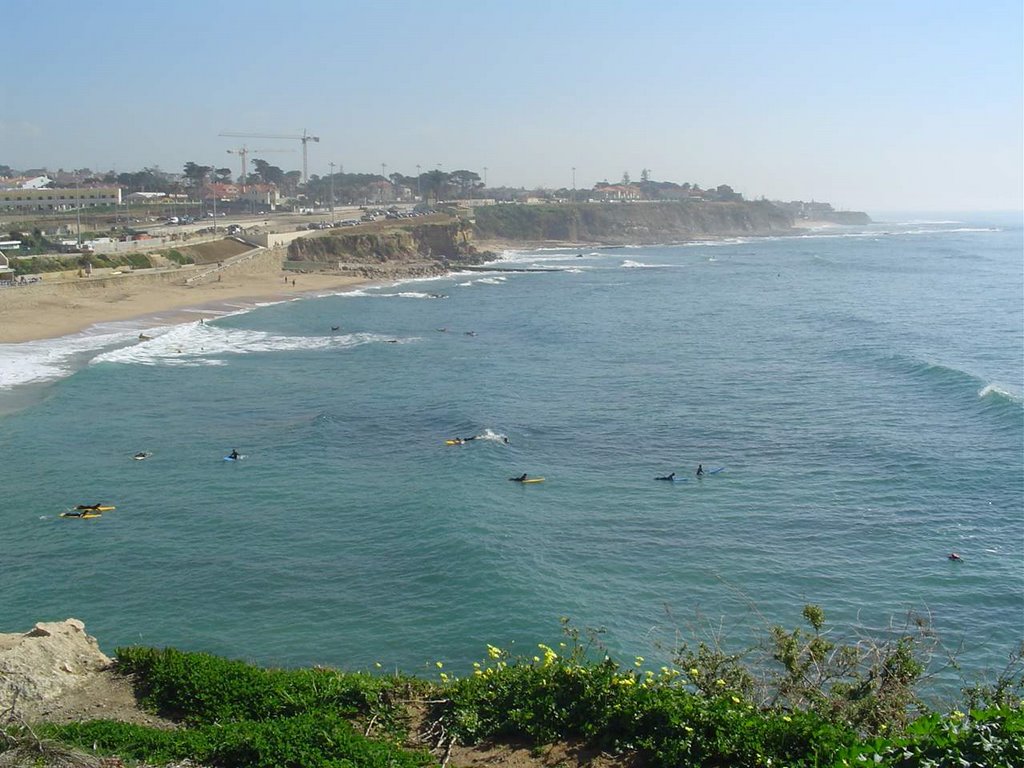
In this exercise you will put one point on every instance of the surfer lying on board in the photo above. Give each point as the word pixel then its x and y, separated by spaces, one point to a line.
pixel 954 556
pixel 667 477
pixel 520 479
pixel 88 507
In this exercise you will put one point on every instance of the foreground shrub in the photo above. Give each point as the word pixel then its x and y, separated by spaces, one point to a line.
pixel 559 697
pixel 198 689
pixel 316 740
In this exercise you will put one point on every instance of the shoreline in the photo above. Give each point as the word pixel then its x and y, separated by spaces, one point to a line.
pixel 35 314
pixel 55 310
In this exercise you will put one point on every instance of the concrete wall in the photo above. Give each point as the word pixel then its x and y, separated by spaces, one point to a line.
pixel 273 239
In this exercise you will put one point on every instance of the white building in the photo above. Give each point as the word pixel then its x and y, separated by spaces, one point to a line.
pixel 44 200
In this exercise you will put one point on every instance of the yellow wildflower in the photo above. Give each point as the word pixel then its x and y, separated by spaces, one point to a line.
pixel 439 664
pixel 493 651
pixel 719 681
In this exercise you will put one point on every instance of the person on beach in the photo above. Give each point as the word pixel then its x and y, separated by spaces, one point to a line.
pixel 520 479
pixel 667 477
pixel 700 470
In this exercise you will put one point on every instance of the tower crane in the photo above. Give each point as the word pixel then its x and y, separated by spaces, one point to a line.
pixel 244 152
pixel 305 138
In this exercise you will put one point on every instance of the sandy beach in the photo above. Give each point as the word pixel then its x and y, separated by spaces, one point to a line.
pixel 47 311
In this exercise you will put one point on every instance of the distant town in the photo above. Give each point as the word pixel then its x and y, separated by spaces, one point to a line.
pixel 263 188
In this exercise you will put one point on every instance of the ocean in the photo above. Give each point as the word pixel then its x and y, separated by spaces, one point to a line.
pixel 861 388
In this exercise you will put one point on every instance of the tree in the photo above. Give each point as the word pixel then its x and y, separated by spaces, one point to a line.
pixel 223 175
pixel 465 182
pixel 269 174
pixel 625 178
pixel 645 175
pixel 196 174
pixel 290 184
pixel 435 183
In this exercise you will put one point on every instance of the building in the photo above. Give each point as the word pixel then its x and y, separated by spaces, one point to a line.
pixel 49 200
pixel 25 182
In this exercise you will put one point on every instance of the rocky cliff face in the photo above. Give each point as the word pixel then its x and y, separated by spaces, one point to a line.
pixel 438 243
pixel 619 223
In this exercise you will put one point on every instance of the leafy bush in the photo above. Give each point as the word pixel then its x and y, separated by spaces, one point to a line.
pixel 314 740
pixel 199 688
pixel 664 715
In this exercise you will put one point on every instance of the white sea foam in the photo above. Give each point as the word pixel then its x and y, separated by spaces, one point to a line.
pixel 201 345
pixel 994 390
pixel 362 293
pixel 490 434
pixel 51 359
pixel 630 264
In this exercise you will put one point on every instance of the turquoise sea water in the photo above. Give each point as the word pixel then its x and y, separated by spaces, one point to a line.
pixel 862 389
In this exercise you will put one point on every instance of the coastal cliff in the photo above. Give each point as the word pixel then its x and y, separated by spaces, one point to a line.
pixel 633 223
pixel 418 249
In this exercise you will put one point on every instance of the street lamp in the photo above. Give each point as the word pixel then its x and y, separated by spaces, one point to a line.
pixel 332 191
pixel 78 210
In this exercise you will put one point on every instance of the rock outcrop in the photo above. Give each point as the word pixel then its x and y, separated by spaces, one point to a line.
pixel 46 663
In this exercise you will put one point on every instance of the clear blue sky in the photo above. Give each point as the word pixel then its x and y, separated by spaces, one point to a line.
pixel 912 105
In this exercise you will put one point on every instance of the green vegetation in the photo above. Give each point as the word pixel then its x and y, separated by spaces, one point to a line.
pixel 802 699
pixel 179 258
pixel 36 265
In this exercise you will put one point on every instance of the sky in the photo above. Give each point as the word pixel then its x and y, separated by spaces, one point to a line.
pixel 895 105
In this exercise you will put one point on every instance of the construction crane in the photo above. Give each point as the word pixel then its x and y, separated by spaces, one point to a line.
pixel 244 152
pixel 305 138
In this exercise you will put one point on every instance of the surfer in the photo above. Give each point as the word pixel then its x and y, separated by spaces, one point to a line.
pixel 335 327
pixel 88 507
pixel 955 556
pixel 141 455
pixel 667 477
pixel 700 470
pixel 234 454
pixel 520 479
